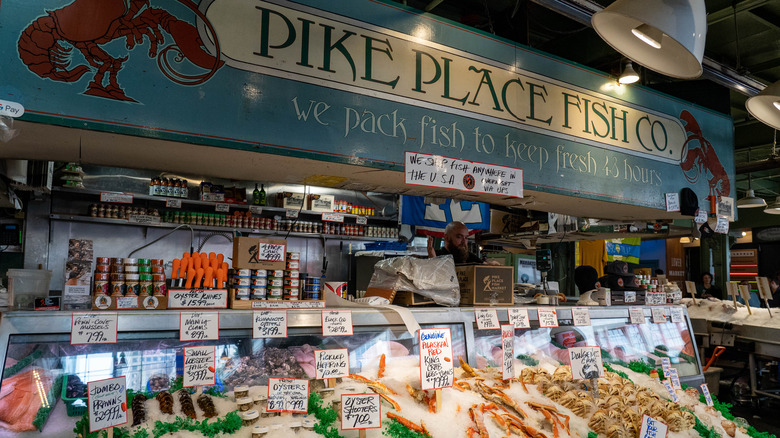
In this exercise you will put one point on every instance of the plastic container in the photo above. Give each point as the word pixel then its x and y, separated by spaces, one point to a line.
pixel 24 285
pixel 75 407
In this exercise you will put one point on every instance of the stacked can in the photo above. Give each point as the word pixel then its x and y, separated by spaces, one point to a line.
pixel 291 276
pixel 240 282
pixel 259 284
pixel 102 272
pixel 129 277
pixel 311 288
pixel 159 285
pixel 275 284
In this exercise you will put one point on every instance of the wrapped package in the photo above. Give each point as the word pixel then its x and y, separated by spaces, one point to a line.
pixel 434 278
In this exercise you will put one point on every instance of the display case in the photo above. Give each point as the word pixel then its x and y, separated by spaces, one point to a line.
pixel 45 376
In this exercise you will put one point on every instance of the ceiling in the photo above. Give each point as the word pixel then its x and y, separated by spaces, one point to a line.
pixel 742 56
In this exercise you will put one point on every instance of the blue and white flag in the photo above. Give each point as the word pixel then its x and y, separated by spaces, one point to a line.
pixel 431 219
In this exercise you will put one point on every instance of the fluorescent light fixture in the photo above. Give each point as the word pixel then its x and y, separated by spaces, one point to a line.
pixel 629 75
pixel 773 208
pixel 751 201
pixel 649 35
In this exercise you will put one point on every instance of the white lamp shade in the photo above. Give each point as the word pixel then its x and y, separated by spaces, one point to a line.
pixel 751 201
pixel 629 75
pixel 764 105
pixel 683 27
pixel 773 208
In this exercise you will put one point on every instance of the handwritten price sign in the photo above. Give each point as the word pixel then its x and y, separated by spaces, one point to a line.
pixel 331 364
pixel 107 401
pixel 360 411
pixel 487 319
pixel 508 351
pixel 677 315
pixel 287 395
pixel 336 323
pixel 198 326
pixel 547 317
pixel 707 396
pixel 93 328
pixel 637 315
pixel 270 324
pixel 519 317
pixel 586 363
pixel 197 299
pixel 580 316
pixel 652 428
pixel 199 365
pixel 658 315
pixel 271 252
pixel 666 364
pixel 436 368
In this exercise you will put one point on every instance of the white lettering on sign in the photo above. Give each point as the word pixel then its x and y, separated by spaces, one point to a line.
pixel 173 203
pixel 677 315
pixel 287 395
pixel 701 216
pixel 199 363
pixel 436 361
pixel 116 198
pixel 652 428
pixel 453 173
pixel 331 364
pixel 547 317
pixel 197 299
pixel 636 315
pixel 143 219
pixel 222 208
pixel 666 364
pixel 675 378
pixel 360 411
pixel 269 324
pixel 107 400
pixel 126 302
pixel 722 225
pixel 11 109
pixel 519 317
pixel 508 351
pixel 198 326
pixel 580 316
pixel 288 304
pixel 671 392
pixel 361 220
pixel 291 213
pixel 707 396
pixel 93 328
pixel 256 210
pixel 655 298
pixel 586 363
pixel 336 323
pixel 271 252
pixel 487 319
pixel 658 315
pixel 672 202
pixel 332 217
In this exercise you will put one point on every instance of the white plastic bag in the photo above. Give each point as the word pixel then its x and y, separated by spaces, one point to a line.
pixel 433 278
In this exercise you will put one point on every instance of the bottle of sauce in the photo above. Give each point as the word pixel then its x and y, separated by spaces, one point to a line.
pixel 262 195
pixel 185 192
pixel 256 196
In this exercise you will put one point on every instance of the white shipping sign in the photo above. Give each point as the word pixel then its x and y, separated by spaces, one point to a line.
pixel 336 323
pixel 360 411
pixel 197 299
pixel 269 324
pixel 519 317
pixel 508 351
pixel 672 202
pixel 586 362
pixel 677 315
pixel 199 363
pixel 453 173
pixel 287 395
pixel 331 364
pixel 547 317
pixel 436 362
pixel 487 319
pixel 652 428
pixel 658 315
pixel 107 400
pixel 198 326
pixel 93 328
pixel 636 315
pixel 580 316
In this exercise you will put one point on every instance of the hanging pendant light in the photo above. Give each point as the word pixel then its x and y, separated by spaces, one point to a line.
pixel 666 36
pixel 773 208
pixel 765 106
pixel 629 75
pixel 750 200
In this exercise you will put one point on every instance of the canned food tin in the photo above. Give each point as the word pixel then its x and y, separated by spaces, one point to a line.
pixel 259 282
pixel 276 273
pixel 101 284
pixel 292 274
pixel 292 264
pixel 103 261
pixel 241 281
pixel 293 256
pixel 259 273
pixel 242 272
pixel 157 262
pixel 312 295
pixel 242 293
pixel 275 282
pixel 259 293
pixel 274 293
pixel 102 268
pixel 144 262
pixel 291 282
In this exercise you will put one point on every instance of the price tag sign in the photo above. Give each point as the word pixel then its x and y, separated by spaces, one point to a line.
pixel 197 299
pixel 508 351
pixel 666 364
pixel 116 198
pixel 672 202
pixel 763 288
pixel 107 400
pixel 586 363
pixel 744 292
pixel 652 428
pixel 487 319
pixel 332 217
pixel 287 395
pixel 126 302
pixel 690 287
pixel 436 366
pixel 580 316
pixel 671 392
pixel 629 296
pixel 93 328
pixel 256 210
pixel 360 411
pixel 361 220
pixel 519 317
pixel 198 326
pixel 331 364
pixel 701 216
pixel 636 315
pixel 269 324
pixel 291 213
pixel 658 315
pixel 199 363
pixel 707 396
pixel 336 323
pixel 143 219
pixel 222 208
pixel 655 298
pixel 271 252
pixel 172 203
pixel 547 317
pixel 677 315
pixel 675 378
pixel 722 225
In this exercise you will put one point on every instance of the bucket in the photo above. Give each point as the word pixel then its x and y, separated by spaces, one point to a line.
pixel 24 285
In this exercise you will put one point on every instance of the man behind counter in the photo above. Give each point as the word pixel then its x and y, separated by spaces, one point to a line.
pixel 456 236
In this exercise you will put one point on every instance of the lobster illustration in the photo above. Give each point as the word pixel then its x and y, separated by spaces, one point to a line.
pixel 46 45
pixel 699 159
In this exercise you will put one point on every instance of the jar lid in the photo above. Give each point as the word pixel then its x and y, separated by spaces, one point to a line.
pixel 261 429
pixel 241 389
pixel 244 400
pixel 250 415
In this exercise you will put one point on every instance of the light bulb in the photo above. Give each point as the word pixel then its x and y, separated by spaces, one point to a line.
pixel 649 35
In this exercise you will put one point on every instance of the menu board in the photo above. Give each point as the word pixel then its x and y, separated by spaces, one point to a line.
pixel 586 363
pixel 547 317
pixel 360 411
pixel 107 401
pixel 519 317
pixel 196 326
pixel 287 395
pixel 93 328
pixel 269 324
pixel 580 316
pixel 508 351
pixel 331 364
pixel 487 319
pixel 199 363
pixel 436 367
pixel 336 323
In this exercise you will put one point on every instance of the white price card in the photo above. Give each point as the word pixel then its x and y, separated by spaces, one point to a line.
pixel 271 252
pixel 675 378
pixel 222 208
pixel 256 210
pixel 336 323
pixel 93 328
pixel 763 288
pixel 547 317
pixel 198 326
pixel 672 202
pixel 291 213
pixel 508 351
pixel 453 173
pixel 722 225
pixel 332 217
pixel 629 296
pixel 707 396
pixel 436 362
pixel 580 316
pixel 287 395
pixel 652 428
pixel 666 364
pixel 197 299
pixel 361 220
pixel 636 315
pixel 658 315
pixel 269 324
pixel 677 315
pixel 107 401
pixel 173 203
pixel 744 292
pixel 487 319
pixel 519 317
pixel 701 216
pixel 126 302
pixel 199 363
pixel 670 390
pixel 360 411
pixel 586 363
pixel 143 219
pixel 116 198
pixel 690 287
pixel 655 298
pixel 331 364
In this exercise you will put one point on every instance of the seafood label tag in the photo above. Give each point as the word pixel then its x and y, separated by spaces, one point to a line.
pixel 93 328
pixel 519 317
pixel 269 324
pixel 360 411
pixel 672 394
pixel 199 363
pixel 678 315
pixel 586 363
pixel 331 364
pixel 196 326
pixel 547 317
pixel 487 319
pixel 508 351
pixel 637 315
pixel 672 201
pixel 336 323
pixel 580 316
pixel 666 363
pixel 107 400
pixel 436 366
pixel 658 314
pixel 706 391
pixel 652 428
pixel 287 395
pixel 675 378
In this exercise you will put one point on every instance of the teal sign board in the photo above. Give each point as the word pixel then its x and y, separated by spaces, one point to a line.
pixel 358 82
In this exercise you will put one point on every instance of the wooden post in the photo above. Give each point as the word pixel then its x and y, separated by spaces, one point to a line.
pixel 111 432
pixel 330 383
pixel 438 400
pixel 362 433
pixel 745 292
pixel 764 292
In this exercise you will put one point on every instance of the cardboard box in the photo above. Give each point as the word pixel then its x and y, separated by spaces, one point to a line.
pixel 291 200
pixel 250 253
pixel 484 285
pixel 321 203
pixel 399 297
